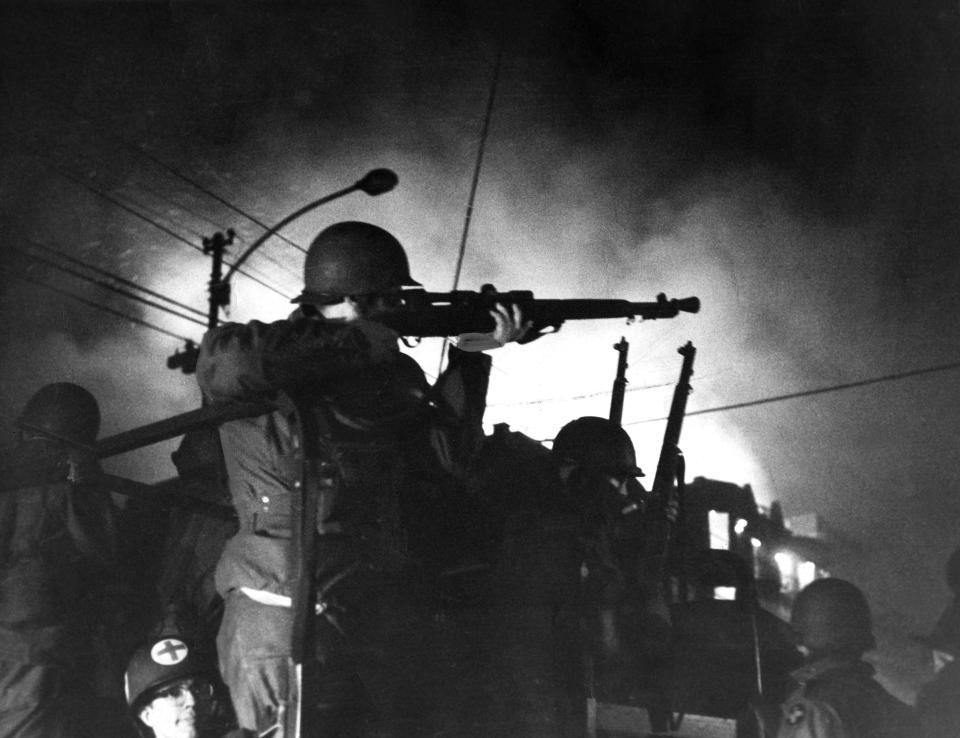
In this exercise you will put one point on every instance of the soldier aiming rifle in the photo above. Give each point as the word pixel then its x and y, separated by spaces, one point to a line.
pixel 375 423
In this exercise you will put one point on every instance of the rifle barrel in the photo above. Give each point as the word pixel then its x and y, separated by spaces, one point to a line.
pixel 450 314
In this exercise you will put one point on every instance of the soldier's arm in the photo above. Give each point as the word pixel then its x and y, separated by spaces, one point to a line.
pixel 256 359
pixel 460 393
pixel 509 327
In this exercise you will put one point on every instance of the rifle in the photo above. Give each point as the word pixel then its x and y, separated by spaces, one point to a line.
pixel 438 314
pixel 620 383
pixel 315 480
pixel 668 482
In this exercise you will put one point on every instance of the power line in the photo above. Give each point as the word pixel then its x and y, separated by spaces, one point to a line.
pixel 162 216
pixel 169 168
pixel 155 193
pixel 177 173
pixel 98 306
pixel 474 182
pixel 179 205
pixel 572 398
pixel 108 286
pixel 818 391
pixel 115 277
pixel 126 208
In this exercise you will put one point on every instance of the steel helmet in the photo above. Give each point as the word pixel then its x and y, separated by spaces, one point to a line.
pixel 159 662
pixel 832 615
pixel 353 258
pixel 597 443
pixel 62 411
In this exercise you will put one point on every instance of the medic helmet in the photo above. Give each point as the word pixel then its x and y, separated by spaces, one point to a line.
pixel 353 258
pixel 597 443
pixel 832 615
pixel 159 662
pixel 64 412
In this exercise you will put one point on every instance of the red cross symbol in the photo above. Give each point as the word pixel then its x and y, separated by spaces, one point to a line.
pixel 796 714
pixel 168 652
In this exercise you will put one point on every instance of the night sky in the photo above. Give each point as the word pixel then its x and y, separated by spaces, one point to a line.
pixel 794 164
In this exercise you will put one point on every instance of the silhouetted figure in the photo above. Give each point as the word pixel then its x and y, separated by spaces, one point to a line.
pixel 57 571
pixel 381 423
pixel 837 696
pixel 938 702
pixel 568 618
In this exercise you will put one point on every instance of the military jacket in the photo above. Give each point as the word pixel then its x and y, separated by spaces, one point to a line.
pixel 57 558
pixel 380 420
pixel 938 704
pixel 840 699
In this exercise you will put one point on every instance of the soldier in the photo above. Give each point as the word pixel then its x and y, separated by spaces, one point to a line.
pixel 938 703
pixel 57 561
pixel 625 628
pixel 174 691
pixel 837 696
pixel 570 616
pixel 598 472
pixel 382 423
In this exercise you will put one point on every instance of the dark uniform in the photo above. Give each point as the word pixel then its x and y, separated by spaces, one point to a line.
pixel 938 702
pixel 382 424
pixel 57 561
pixel 837 696
pixel 841 698
pixel 566 618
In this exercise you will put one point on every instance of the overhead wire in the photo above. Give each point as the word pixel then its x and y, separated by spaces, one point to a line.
pixel 170 169
pixel 199 216
pixel 474 183
pixel 157 194
pixel 209 193
pixel 108 286
pixel 804 393
pixel 179 205
pixel 162 216
pixel 818 391
pixel 173 234
pixel 93 304
pixel 572 398
pixel 110 275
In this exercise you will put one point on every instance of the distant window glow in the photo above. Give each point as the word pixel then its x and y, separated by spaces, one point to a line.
pixel 786 565
pixel 724 593
pixel 806 573
pixel 740 526
pixel 719 523
pixel 755 542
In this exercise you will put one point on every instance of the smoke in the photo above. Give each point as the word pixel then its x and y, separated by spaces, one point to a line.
pixel 805 199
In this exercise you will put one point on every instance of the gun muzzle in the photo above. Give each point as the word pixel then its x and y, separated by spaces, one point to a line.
pixel 688 305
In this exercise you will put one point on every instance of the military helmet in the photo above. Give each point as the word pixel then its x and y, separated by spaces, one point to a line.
pixel 62 411
pixel 159 662
pixel 353 258
pixel 597 443
pixel 832 615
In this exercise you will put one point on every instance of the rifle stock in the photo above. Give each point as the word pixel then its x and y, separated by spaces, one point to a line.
pixel 440 314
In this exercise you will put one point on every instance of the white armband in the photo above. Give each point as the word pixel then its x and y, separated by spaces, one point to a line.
pixel 472 342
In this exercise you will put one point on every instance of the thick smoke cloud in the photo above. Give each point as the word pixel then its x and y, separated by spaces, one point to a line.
pixel 793 165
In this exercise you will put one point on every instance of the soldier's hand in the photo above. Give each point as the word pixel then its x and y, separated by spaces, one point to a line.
pixel 672 509
pixel 510 326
